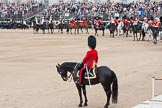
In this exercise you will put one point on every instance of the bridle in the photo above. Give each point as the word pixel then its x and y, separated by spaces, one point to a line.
pixel 69 78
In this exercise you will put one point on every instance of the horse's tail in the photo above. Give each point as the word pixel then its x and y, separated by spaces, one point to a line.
pixel 114 88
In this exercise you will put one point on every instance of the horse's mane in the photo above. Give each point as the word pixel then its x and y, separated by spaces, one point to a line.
pixel 68 65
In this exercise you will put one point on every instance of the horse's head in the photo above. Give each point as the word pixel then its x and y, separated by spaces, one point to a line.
pixel 64 68
pixel 62 72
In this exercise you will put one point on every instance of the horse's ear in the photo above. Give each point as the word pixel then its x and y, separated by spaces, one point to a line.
pixel 59 65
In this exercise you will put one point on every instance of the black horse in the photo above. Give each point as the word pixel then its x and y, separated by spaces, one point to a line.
pixel 126 28
pixel 155 32
pixel 101 27
pixel 36 27
pixel 104 75
pixel 60 27
pixel 51 27
pixel 112 27
pixel 137 29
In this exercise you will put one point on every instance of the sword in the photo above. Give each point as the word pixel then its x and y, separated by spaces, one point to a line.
pixel 88 76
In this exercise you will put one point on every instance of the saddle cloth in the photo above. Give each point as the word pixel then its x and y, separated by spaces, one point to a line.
pixel 91 73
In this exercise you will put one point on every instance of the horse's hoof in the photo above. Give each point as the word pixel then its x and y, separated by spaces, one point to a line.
pixel 105 106
pixel 85 104
pixel 80 105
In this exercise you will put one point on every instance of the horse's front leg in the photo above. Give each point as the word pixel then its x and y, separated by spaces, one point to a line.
pixel 113 34
pixel 61 30
pixel 87 31
pixel 84 92
pixel 103 33
pixel 43 31
pixel 140 37
pixel 117 32
pixel 78 31
pixel 75 30
pixel 127 33
pixel 48 30
pixel 95 32
pixel 81 30
pixel 71 31
pixel 80 95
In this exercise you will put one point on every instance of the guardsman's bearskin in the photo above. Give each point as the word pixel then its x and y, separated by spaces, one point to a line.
pixel 92 42
pixel 152 18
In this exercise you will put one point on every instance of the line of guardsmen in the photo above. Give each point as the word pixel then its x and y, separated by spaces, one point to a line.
pixel 152 22
pixel 96 21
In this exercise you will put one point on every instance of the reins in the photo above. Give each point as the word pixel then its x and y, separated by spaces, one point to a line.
pixel 70 76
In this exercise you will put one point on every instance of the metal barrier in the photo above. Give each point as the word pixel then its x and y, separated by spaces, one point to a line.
pixel 153 86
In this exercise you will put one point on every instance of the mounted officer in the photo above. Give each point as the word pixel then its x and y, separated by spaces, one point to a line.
pixel 90 60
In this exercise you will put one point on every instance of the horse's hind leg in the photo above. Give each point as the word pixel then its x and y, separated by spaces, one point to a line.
pixel 87 31
pixel 61 30
pixel 84 92
pixel 80 95
pixel 108 94
pixel 95 32
pixel 103 33
pixel 127 33
pixel 140 37
pixel 136 37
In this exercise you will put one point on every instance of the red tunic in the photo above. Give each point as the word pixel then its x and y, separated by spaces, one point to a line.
pixel 83 21
pixel 124 21
pixel 90 57
pixel 99 22
pixel 116 22
pixel 152 23
pixel 131 22
pixel 157 24
pixel 73 22
pixel 95 21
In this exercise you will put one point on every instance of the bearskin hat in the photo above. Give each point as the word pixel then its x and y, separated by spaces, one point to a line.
pixel 116 17
pixel 124 17
pixel 92 41
pixel 151 18
pixel 131 17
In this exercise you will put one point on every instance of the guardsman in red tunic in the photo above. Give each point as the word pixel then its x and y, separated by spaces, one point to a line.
pixel 73 21
pixel 157 22
pixel 95 21
pixel 99 22
pixel 83 21
pixel 124 20
pixel 131 21
pixel 90 60
pixel 152 22
pixel 116 21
